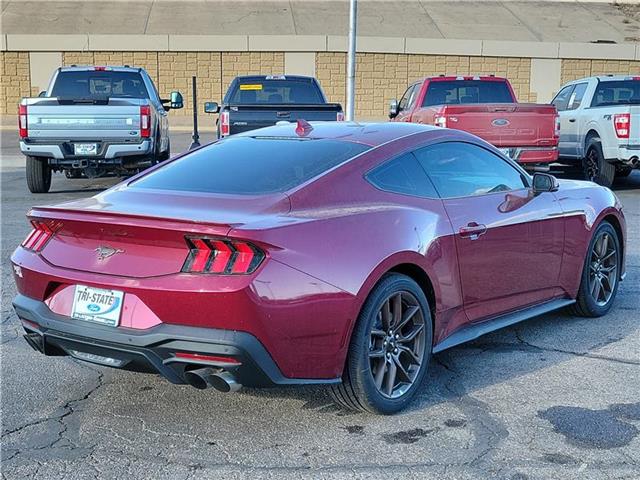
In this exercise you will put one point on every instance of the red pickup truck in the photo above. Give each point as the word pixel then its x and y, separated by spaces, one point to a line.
pixel 487 107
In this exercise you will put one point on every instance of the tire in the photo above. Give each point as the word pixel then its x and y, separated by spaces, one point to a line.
pixel 623 171
pixel 38 175
pixel 367 351
pixel 594 165
pixel 587 305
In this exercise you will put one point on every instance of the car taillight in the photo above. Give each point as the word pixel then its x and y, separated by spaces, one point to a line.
pixel 145 121
pixel 227 257
pixel 340 117
pixel 440 122
pixel 622 124
pixel 224 124
pixel 556 130
pixel 22 121
pixel 42 232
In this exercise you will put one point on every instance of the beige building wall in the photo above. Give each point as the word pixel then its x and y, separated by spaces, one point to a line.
pixel 15 81
pixel 573 69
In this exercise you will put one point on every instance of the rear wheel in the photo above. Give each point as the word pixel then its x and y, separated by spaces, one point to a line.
pixel 600 275
pixel 38 175
pixel 595 166
pixel 390 349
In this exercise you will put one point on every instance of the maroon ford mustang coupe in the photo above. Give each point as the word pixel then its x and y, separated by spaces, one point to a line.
pixel 336 253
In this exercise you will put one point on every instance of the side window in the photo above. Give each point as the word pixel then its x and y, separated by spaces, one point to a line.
pixel 462 170
pixel 407 98
pixel 403 175
pixel 577 96
pixel 561 100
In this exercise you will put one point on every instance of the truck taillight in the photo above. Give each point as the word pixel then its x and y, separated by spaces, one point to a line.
pixel 42 232
pixel 224 124
pixel 22 121
pixel 556 130
pixel 226 257
pixel 145 121
pixel 340 117
pixel 440 121
pixel 622 124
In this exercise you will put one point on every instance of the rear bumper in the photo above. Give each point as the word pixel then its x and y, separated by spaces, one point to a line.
pixel 627 154
pixel 153 350
pixel 531 155
pixel 63 150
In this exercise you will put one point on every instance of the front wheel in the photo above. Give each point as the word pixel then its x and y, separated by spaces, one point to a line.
pixel 600 275
pixel 38 175
pixel 389 350
pixel 595 167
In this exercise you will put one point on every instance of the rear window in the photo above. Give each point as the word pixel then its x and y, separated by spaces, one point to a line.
pixel 251 165
pixel 466 91
pixel 99 84
pixel 623 92
pixel 275 91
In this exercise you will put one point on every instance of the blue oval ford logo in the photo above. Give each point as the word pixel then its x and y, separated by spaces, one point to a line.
pixel 500 122
pixel 92 307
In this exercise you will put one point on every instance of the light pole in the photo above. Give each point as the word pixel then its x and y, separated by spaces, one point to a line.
pixel 351 60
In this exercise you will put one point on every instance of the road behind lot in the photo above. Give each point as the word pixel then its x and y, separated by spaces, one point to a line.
pixel 556 398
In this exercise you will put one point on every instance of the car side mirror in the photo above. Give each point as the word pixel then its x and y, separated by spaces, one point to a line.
pixel 393 108
pixel 211 107
pixel 176 100
pixel 544 182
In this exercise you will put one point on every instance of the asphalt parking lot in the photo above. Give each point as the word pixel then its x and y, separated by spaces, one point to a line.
pixel 556 397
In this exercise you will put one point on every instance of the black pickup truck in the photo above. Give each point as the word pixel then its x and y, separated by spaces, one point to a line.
pixel 258 101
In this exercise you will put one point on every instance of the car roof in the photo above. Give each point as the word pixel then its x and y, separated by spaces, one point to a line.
pixel 372 134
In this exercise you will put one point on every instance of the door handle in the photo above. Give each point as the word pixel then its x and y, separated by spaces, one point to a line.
pixel 472 231
pixel 572 120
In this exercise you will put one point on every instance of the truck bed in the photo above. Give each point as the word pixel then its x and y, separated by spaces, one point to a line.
pixel 250 117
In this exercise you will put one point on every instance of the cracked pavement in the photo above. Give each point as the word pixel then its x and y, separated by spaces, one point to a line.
pixel 557 397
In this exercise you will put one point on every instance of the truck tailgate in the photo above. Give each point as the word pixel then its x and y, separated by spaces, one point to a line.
pixel 250 117
pixel 49 119
pixel 505 125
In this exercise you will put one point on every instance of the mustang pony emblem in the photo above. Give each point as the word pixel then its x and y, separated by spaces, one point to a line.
pixel 106 251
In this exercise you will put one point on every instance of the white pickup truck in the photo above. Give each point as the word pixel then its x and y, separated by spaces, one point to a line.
pixel 93 121
pixel 600 125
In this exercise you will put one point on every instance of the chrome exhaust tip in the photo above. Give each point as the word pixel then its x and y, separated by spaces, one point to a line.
pixel 202 378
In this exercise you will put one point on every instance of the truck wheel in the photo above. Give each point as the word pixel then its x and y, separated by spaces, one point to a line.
pixel 594 165
pixel 623 171
pixel 166 154
pixel 38 175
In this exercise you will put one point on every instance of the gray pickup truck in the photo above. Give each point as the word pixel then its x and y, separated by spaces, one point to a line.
pixel 94 121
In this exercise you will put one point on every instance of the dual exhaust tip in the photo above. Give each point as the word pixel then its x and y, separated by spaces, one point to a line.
pixel 202 378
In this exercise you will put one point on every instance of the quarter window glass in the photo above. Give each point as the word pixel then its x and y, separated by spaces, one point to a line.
pixel 463 170
pixel 562 98
pixel 576 96
pixel 406 98
pixel 403 175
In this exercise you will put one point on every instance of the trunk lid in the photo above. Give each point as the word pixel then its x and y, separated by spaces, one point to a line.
pixel 77 119
pixel 140 234
pixel 505 125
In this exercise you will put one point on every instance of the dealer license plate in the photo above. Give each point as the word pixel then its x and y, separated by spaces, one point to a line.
pixel 97 305
pixel 85 148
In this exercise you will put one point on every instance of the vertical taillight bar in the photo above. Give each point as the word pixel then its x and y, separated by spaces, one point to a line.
pixel 556 130
pixel 622 124
pixel 22 121
pixel 145 121
pixel 340 117
pixel 224 124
